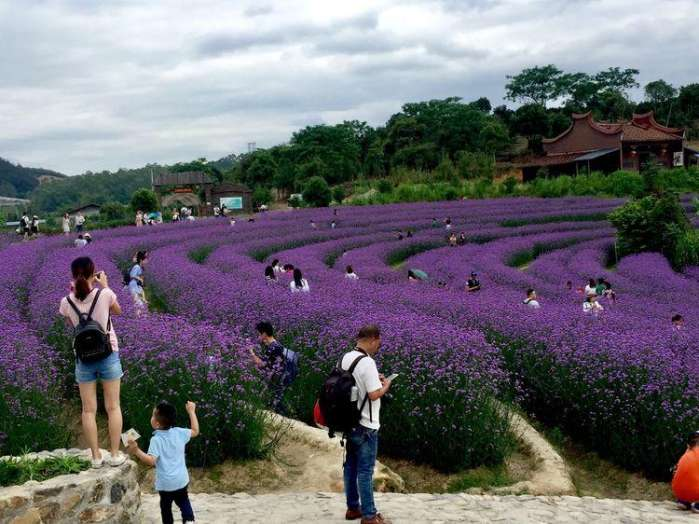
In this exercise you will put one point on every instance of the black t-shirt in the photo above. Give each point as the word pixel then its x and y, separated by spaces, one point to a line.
pixel 273 354
pixel 474 282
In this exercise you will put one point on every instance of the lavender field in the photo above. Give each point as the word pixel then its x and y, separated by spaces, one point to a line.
pixel 623 382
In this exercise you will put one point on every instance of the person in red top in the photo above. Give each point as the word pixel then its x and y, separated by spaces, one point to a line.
pixel 685 482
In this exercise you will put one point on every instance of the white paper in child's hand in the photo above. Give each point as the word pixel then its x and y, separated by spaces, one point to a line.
pixel 130 434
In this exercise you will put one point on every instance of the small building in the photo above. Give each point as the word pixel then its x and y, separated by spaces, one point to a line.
pixel 588 145
pixel 236 197
pixel 89 210
pixel 197 190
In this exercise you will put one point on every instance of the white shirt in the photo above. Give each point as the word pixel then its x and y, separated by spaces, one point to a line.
pixel 304 286
pixel 533 303
pixel 278 269
pixel 79 220
pixel 589 290
pixel 592 307
pixel 66 225
pixel 366 376
pixel 352 276
pixel 80 242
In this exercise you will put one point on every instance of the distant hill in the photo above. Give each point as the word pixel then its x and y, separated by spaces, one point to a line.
pixel 17 181
pixel 97 188
pixel 66 192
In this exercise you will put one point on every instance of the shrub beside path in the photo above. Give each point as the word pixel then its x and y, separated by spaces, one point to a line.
pixel 424 508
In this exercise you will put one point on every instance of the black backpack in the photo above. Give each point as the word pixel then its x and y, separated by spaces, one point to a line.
pixel 90 342
pixel 335 400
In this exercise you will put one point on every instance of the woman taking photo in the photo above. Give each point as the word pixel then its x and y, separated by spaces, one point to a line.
pixel 88 310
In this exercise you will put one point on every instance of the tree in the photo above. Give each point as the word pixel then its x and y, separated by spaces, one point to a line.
pixel 659 92
pixel 317 192
pixel 113 211
pixel 493 137
pixel 261 196
pixel 145 200
pixel 337 147
pixel 617 79
pixel 261 171
pixel 339 194
pixel 540 85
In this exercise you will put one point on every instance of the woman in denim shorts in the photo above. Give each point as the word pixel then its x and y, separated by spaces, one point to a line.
pixel 108 371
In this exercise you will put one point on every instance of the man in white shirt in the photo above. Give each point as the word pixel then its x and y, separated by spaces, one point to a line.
pixel 362 443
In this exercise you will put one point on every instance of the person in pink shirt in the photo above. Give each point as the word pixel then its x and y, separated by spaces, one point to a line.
pixel 103 303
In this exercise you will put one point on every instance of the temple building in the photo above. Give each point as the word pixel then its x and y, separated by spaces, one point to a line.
pixel 588 146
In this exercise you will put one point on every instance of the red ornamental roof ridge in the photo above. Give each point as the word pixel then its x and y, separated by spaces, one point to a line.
pixel 640 127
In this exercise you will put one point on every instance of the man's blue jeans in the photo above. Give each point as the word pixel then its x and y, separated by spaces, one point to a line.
pixel 362 445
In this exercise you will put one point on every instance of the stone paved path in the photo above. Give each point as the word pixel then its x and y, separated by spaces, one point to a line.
pixel 424 508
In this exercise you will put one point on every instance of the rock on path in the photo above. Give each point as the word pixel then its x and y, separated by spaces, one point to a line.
pixel 424 508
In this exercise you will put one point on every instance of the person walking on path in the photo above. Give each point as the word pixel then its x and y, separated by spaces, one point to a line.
pixel 166 453
pixel 87 303
pixel 363 441
pixel 65 224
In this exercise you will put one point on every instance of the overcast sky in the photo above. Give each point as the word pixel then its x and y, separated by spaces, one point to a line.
pixel 103 84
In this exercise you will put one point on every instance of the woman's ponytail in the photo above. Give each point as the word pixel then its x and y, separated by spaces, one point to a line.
pixel 82 268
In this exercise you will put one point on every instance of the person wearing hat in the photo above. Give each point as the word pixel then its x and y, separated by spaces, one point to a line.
pixel 473 283
pixel 685 481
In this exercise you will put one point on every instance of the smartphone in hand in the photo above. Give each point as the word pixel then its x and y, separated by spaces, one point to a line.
pixel 392 377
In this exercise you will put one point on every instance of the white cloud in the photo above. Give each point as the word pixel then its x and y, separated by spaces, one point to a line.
pixel 119 83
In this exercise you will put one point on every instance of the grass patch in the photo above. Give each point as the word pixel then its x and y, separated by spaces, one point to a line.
pixel 522 259
pixel 18 470
pixel 517 222
pixel 157 302
pixel 596 477
pixel 200 254
pixel 398 256
pixel 482 477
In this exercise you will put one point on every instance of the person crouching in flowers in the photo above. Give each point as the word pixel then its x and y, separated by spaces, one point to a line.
pixel 685 481
pixel 166 454
pixel 591 305
pixel 532 300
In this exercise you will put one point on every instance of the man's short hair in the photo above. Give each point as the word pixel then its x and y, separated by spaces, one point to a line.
pixel 165 414
pixel 677 318
pixel 369 331
pixel 266 328
pixel 530 291
pixel 693 439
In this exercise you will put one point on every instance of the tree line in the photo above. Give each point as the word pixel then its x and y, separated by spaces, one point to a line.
pixel 444 138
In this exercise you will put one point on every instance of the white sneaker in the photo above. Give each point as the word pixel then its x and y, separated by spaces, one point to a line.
pixel 116 460
pixel 98 463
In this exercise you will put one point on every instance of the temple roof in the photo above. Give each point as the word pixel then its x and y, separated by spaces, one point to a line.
pixel 586 134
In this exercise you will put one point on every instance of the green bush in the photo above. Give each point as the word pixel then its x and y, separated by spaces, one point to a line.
pixel 472 165
pixel 655 223
pixel 384 186
pixel 317 193
pixel 339 194
pixel 261 196
pixel 113 211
